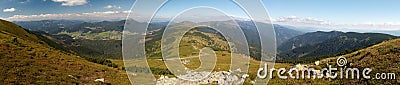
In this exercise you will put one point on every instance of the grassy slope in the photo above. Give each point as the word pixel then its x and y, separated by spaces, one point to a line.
pixel 27 60
pixel 382 58
pixel 15 30
pixel 192 43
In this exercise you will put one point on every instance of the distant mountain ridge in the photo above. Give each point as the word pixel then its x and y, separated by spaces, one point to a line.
pixel 327 43
pixel 55 26
pixel 284 33
pixel 86 28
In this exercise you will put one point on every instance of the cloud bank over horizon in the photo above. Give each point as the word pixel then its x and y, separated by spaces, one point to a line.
pixel 91 16
pixel 314 24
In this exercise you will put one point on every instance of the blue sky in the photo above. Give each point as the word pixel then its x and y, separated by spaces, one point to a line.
pixel 340 11
pixel 31 7
pixel 345 15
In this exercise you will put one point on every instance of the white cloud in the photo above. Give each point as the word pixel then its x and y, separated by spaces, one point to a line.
pixel 26 1
pixel 112 7
pixel 9 10
pixel 71 2
pixel 93 16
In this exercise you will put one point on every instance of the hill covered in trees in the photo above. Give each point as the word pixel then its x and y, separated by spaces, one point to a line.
pixel 318 44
